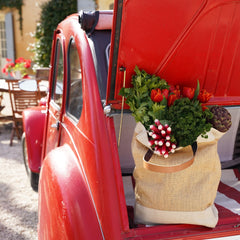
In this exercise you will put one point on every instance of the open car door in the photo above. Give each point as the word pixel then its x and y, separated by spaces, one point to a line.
pixel 181 41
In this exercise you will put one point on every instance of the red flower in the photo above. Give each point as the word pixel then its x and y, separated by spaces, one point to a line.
pixel 204 107
pixel 158 94
pixel 10 65
pixel 204 96
pixel 25 76
pixel 20 60
pixel 20 64
pixel 171 99
pixel 7 67
pixel 188 92
pixel 27 64
pixel 174 94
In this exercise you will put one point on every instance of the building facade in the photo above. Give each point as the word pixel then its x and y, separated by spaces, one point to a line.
pixel 14 41
pixel 105 4
pixel 95 4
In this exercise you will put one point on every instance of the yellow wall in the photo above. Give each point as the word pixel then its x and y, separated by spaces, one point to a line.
pixel 31 14
pixel 105 4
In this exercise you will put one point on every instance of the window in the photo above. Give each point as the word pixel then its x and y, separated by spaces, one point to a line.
pixel 74 96
pixel 3 40
pixel 58 75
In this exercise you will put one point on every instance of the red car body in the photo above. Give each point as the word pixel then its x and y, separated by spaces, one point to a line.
pixel 81 192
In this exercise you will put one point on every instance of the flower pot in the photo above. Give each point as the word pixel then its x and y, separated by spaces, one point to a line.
pixel 17 74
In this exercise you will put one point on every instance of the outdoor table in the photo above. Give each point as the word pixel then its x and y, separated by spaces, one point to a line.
pixel 3 85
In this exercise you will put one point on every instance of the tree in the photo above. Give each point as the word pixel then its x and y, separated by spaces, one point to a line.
pixel 52 13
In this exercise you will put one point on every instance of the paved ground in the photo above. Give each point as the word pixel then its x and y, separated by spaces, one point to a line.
pixel 18 202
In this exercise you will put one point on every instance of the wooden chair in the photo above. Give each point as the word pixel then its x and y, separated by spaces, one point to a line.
pixel 42 75
pixel 20 100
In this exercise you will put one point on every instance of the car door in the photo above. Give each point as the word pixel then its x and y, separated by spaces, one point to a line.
pixel 55 103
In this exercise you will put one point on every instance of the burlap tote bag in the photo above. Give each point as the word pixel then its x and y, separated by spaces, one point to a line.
pixel 185 194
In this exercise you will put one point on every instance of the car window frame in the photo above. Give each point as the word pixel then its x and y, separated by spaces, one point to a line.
pixel 69 114
pixel 55 73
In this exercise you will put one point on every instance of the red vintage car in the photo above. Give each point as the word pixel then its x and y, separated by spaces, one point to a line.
pixel 80 143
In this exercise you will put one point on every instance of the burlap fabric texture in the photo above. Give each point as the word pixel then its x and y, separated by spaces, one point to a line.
pixel 186 196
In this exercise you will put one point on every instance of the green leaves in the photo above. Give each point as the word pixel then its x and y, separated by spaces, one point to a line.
pixel 197 91
pixel 188 121
pixel 52 13
pixel 139 100
pixel 184 113
pixel 159 110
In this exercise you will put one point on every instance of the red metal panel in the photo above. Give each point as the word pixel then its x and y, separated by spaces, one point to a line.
pixel 33 123
pixel 66 205
pixel 182 41
pixel 90 142
pixel 97 159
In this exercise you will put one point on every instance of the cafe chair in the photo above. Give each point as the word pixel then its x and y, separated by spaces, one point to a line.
pixel 20 100
pixel 41 76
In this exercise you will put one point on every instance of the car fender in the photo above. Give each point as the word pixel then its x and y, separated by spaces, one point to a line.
pixel 66 206
pixel 33 125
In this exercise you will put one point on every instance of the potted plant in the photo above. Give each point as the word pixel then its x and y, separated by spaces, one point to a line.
pixel 17 69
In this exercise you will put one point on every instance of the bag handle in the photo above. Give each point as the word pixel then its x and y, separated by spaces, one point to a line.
pixel 167 169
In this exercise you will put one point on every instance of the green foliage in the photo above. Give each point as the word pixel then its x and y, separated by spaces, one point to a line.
pixel 188 121
pixel 13 4
pixel 53 12
pixel 187 117
pixel 138 97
